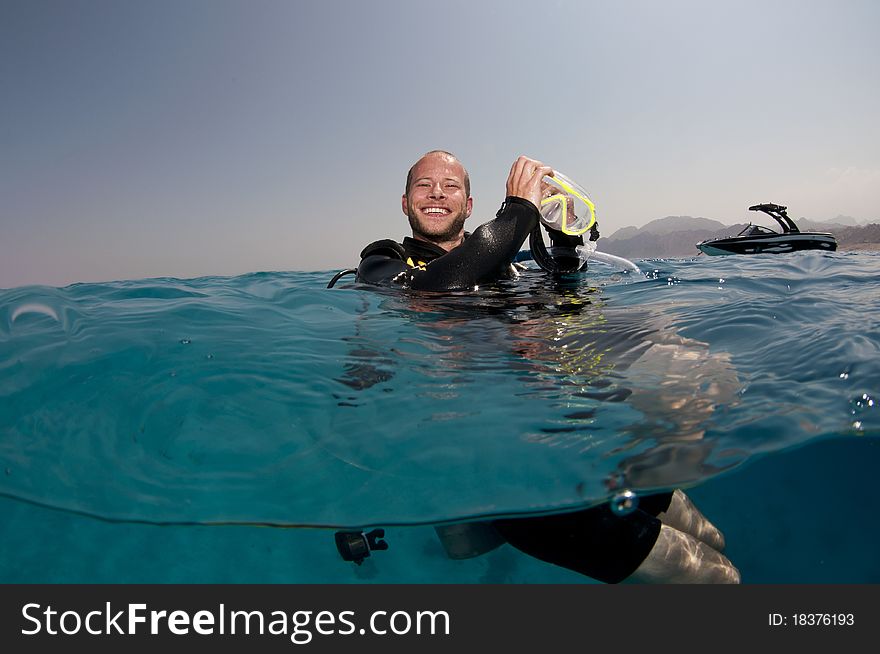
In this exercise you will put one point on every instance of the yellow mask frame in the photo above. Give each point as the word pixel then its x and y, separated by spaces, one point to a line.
pixel 571 223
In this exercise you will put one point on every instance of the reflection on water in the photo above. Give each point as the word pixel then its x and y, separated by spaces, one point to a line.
pixel 573 353
pixel 267 398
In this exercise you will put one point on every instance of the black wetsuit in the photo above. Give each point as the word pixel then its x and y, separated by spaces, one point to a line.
pixel 595 541
pixel 482 258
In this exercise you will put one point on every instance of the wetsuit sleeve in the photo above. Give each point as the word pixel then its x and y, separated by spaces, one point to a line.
pixel 485 256
pixel 482 258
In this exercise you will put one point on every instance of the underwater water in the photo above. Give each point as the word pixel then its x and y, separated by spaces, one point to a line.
pixel 157 430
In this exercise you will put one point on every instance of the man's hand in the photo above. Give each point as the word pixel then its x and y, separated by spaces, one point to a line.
pixel 525 178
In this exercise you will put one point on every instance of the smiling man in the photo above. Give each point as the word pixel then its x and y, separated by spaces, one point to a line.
pixel 438 199
pixel 440 255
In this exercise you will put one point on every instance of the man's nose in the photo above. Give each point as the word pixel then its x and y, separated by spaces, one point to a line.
pixel 437 191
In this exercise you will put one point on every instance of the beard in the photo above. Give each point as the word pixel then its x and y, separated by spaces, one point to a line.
pixel 436 231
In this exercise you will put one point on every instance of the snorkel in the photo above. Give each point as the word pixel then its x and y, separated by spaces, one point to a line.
pixel 566 254
pixel 567 215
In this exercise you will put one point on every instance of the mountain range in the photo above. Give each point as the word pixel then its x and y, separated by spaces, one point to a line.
pixel 677 236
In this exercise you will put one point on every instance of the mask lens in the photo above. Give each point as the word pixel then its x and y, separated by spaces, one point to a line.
pixel 566 207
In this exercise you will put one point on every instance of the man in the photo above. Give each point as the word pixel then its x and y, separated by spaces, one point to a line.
pixel 437 202
pixel 666 539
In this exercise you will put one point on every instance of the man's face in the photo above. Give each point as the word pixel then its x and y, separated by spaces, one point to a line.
pixel 436 201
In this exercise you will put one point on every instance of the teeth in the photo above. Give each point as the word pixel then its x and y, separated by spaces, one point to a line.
pixel 435 210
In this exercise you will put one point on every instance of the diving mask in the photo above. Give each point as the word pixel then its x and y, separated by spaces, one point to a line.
pixel 565 206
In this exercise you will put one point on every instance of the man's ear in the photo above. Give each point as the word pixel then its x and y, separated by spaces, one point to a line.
pixel 470 207
pixel 405 205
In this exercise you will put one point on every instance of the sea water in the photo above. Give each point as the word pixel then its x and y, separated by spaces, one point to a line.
pixel 220 429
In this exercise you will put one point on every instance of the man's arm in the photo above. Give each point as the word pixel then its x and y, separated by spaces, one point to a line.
pixel 485 255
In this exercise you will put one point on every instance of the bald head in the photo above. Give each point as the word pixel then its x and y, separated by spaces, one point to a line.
pixel 451 158
pixel 438 200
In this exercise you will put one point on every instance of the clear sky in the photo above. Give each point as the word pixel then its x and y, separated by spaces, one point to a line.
pixel 214 137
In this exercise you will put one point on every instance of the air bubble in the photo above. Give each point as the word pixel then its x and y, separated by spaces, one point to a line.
pixel 858 408
pixel 34 308
pixel 862 403
pixel 185 341
pixel 624 502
